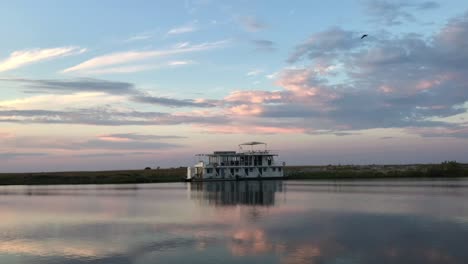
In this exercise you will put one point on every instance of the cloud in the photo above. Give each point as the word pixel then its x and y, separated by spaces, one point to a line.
pixel 100 143
pixel 253 96
pixel 457 132
pixel 121 58
pixel 406 81
pixel 241 129
pixel 22 58
pixel 272 75
pixel 251 23
pixel 123 145
pixel 148 99
pixel 111 154
pixel 396 12
pixel 190 27
pixel 62 101
pixel 263 44
pixel 124 69
pixel 428 5
pixel 140 67
pixel 104 116
pixel 255 72
pixel 140 37
pixel 15 155
pixel 92 89
pixel 75 85
pixel 325 44
pixel 180 63
pixel 135 136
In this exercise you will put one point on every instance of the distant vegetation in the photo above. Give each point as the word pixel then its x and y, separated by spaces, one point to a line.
pixel 445 169
pixel 94 177
pixel 148 175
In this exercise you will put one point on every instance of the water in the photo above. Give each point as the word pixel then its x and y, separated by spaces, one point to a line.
pixel 402 221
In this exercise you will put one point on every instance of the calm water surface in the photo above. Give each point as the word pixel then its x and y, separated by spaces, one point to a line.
pixel 404 221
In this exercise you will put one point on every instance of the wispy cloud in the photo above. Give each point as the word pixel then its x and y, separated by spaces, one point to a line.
pixel 190 27
pixel 90 91
pixel 135 136
pixel 74 85
pixel 263 44
pixel 14 155
pixel 171 102
pixel 395 12
pixel 140 37
pixel 123 69
pixel 251 24
pixel 255 72
pixel 93 143
pixel 180 63
pixel 326 43
pixel 241 129
pixel 62 101
pixel 104 116
pixel 22 58
pixel 122 58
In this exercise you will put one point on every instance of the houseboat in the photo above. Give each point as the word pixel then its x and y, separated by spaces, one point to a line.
pixel 248 163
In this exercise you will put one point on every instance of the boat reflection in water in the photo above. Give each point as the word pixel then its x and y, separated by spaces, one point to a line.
pixel 230 193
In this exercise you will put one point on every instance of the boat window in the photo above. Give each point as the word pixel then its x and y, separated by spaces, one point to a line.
pixel 264 169
pixel 251 169
pixel 274 169
pixel 209 170
pixel 279 169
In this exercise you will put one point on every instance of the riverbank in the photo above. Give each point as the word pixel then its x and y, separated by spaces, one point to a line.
pixel 446 169
pixel 449 169
pixel 94 177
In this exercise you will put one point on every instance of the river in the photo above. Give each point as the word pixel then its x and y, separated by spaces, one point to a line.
pixel 371 221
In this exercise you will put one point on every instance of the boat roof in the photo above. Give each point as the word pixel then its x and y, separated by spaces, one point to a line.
pixel 243 152
pixel 233 153
pixel 252 143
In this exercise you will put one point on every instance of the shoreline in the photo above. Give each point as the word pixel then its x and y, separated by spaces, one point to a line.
pixel 329 172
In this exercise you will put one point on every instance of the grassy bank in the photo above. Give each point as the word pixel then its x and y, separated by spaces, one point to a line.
pixel 94 177
pixel 446 169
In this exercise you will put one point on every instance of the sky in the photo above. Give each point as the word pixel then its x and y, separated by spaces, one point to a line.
pixel 109 85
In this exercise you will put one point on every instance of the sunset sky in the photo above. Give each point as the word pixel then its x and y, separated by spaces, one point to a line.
pixel 91 85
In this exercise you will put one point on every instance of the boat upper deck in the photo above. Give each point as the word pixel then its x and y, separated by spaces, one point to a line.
pixel 243 153
pixel 241 158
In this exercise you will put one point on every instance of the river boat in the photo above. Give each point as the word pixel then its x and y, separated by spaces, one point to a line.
pixel 248 163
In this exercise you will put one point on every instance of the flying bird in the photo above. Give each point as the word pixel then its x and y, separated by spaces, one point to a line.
pixel 363 36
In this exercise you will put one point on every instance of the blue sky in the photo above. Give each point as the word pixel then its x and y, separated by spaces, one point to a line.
pixel 90 83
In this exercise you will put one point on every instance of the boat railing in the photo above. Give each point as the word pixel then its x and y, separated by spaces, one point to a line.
pixel 257 152
pixel 240 164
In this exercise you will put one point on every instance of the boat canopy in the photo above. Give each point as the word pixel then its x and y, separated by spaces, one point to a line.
pixel 252 143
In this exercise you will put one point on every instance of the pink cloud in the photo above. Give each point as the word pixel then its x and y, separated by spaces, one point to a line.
pixel 113 139
pixel 303 86
pixel 246 110
pixel 386 89
pixel 249 129
pixel 430 83
pixel 253 96
pixel 439 131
